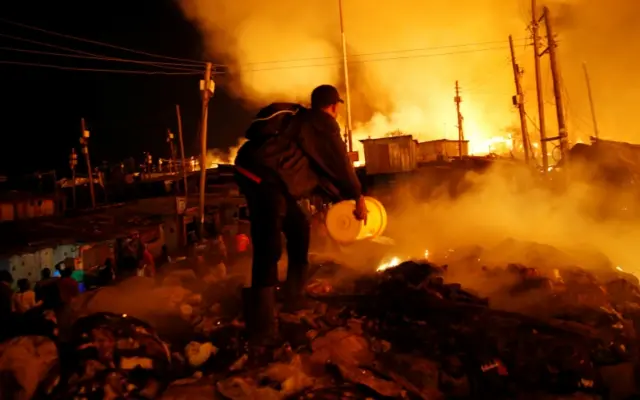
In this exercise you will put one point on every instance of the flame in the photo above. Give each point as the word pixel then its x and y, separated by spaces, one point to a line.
pixel 215 157
pixel 393 262
pixel 426 254
pixel 417 122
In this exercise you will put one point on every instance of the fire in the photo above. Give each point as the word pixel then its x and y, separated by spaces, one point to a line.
pixel 419 123
pixel 394 262
pixel 215 157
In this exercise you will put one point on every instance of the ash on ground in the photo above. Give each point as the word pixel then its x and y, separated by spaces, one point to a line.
pixel 409 332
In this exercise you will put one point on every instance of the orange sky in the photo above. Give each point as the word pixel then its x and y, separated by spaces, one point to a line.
pixel 406 56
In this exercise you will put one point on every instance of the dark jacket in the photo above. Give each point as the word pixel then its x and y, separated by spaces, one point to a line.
pixel 300 148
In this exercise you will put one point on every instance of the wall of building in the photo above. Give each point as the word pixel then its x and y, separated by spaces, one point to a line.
pixel 441 149
pixel 26 209
pixel 390 155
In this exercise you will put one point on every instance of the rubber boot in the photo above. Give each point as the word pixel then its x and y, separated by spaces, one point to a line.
pixel 294 292
pixel 259 307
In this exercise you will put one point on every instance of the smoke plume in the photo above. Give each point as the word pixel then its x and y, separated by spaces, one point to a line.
pixel 406 56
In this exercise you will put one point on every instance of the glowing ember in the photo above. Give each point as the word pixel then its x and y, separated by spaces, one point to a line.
pixel 394 262
pixel 619 269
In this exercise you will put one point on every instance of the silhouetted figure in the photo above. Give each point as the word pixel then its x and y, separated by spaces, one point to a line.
pixel 6 295
pixel 47 290
pixel 67 286
pixel 24 299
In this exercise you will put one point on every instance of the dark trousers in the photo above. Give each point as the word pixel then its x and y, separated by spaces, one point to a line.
pixel 272 212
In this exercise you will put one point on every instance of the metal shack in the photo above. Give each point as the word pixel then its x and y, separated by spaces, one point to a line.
pixel 390 155
pixel 442 149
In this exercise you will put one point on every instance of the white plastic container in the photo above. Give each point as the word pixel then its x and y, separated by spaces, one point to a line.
pixel 344 228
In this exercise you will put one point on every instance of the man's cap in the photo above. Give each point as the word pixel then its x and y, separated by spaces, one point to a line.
pixel 325 96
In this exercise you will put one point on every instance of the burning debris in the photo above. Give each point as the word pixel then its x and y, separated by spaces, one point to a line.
pixel 404 331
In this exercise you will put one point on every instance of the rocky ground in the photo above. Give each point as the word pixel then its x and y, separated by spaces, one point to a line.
pixel 513 331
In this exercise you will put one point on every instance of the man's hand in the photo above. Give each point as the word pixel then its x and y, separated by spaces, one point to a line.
pixel 361 210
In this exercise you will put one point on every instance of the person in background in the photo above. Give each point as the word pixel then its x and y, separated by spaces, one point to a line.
pixel 106 273
pixel 47 290
pixel 165 258
pixel 67 286
pixel 6 294
pixel 25 298
pixel 149 264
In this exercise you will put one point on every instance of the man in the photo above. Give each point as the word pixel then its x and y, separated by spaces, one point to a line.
pixel 291 153
pixel 67 286
pixel 47 290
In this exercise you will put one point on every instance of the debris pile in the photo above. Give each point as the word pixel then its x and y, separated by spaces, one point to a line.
pixel 405 332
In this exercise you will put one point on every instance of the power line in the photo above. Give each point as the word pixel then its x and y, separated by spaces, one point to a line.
pixel 71 50
pixel 61 67
pixel 190 63
pixel 377 59
pixel 100 43
pixel 190 72
pixel 386 52
pixel 158 64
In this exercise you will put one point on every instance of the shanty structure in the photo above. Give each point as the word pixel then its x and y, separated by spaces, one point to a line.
pixel 443 149
pixel 390 155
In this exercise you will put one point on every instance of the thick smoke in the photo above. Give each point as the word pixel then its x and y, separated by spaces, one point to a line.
pixel 569 212
pixel 406 57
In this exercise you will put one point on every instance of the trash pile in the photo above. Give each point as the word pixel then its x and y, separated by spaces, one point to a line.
pixel 403 333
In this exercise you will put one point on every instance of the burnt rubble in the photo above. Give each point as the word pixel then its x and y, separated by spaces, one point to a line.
pixel 405 333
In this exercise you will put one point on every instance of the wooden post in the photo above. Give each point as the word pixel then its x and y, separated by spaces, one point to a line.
pixel 345 65
pixel 535 24
pixel 206 88
pixel 182 159
pixel 458 100
pixel 73 161
pixel 84 140
pixel 517 74
pixel 557 90
pixel 596 131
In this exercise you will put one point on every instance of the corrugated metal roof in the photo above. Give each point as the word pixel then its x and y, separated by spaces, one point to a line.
pixel 30 235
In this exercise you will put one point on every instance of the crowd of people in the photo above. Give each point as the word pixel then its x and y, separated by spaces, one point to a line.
pixel 22 310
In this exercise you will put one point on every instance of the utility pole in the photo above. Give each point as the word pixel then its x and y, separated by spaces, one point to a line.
pixel 593 110
pixel 170 138
pixel 84 141
pixel 182 161
pixel 458 100
pixel 348 133
pixel 555 74
pixel 207 87
pixel 519 101
pixel 535 25
pixel 73 162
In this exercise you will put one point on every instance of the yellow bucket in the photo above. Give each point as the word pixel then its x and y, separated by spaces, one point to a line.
pixel 343 226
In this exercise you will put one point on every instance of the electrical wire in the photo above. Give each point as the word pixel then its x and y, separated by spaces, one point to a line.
pixel 375 60
pixel 86 57
pixel 61 67
pixel 386 52
pixel 95 42
pixel 188 71
pixel 191 62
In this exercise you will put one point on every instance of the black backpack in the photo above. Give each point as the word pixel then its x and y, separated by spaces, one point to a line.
pixel 272 152
pixel 272 120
